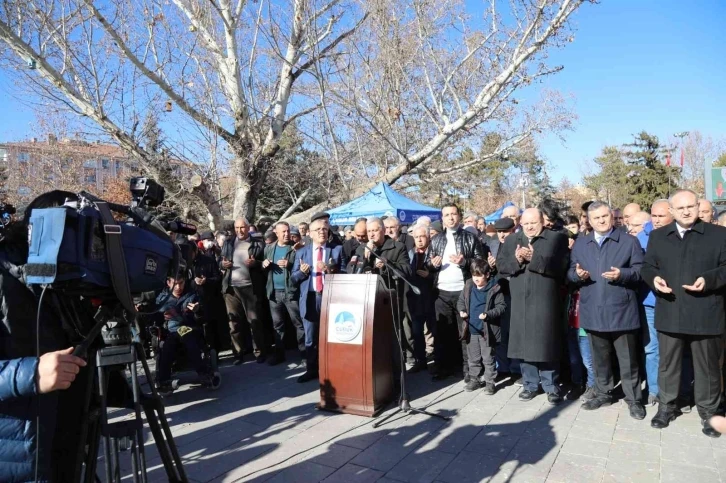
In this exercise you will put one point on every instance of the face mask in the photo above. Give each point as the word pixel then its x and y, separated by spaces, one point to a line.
pixel 208 244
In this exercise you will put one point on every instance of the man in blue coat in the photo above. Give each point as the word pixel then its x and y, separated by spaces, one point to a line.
pixel 606 265
pixel 312 262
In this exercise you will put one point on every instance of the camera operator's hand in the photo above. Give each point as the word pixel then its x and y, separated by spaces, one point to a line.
pixel 226 263
pixel 200 280
pixel 265 263
pixel 57 370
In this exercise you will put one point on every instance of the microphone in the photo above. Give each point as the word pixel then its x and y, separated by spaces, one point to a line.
pixel 415 289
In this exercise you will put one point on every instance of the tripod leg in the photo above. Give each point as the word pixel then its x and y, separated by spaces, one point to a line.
pixel 161 431
pixel 137 454
pixel 103 421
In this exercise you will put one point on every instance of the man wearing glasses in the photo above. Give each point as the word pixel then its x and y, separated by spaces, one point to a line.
pixel 685 265
pixel 312 262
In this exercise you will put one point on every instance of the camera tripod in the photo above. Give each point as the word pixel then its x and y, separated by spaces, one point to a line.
pixel 122 353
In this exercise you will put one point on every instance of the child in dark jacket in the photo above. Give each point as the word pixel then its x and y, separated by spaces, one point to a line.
pixel 481 305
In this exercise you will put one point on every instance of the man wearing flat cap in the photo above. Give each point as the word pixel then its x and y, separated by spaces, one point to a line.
pixel 333 238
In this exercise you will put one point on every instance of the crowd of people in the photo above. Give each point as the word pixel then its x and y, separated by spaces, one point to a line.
pixel 600 305
pixel 605 304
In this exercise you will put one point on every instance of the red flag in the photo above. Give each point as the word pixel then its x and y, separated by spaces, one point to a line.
pixel 682 158
pixel 668 159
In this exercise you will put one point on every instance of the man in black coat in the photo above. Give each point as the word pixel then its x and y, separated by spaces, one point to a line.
pixel 393 230
pixel 450 257
pixel 536 262
pixel 385 247
pixel 421 306
pixel 685 265
pixel 605 264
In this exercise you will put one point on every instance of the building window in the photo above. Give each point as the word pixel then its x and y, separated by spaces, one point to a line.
pixel 104 163
pixel 118 166
pixel 23 157
pixel 3 154
pixel 91 163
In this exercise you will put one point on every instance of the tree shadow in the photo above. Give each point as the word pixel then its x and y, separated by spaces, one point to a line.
pixel 267 425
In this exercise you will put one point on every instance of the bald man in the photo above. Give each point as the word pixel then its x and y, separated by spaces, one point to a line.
pixel 536 262
pixel 685 265
pixel 660 214
pixel 512 212
pixel 722 218
pixel 637 222
pixel 629 210
pixel 705 211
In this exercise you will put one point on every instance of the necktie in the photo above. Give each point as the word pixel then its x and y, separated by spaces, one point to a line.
pixel 319 277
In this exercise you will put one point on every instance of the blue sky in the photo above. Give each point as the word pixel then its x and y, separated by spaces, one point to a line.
pixel 655 65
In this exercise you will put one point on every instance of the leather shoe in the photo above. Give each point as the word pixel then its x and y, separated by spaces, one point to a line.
pixel 308 376
pixel 261 358
pixel 554 399
pixel 663 417
pixel 417 367
pixel 526 395
pixel 440 375
pixel 596 403
pixel 637 411
pixel 708 429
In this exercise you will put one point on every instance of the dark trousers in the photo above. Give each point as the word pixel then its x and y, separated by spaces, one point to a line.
pixel 242 311
pixel 192 342
pixel 311 324
pixel 449 351
pixel 480 353
pixel 626 347
pixel 536 373
pixel 419 320
pixel 283 308
pixel 706 352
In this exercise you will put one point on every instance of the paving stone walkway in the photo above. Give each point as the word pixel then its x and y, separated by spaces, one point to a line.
pixel 262 426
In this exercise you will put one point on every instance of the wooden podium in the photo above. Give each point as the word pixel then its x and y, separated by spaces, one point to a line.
pixel 356 345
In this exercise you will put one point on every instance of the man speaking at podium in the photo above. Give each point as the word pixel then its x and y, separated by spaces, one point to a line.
pixel 395 253
pixel 312 262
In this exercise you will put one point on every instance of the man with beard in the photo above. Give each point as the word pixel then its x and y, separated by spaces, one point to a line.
pixel 242 261
pixel 536 261
pixel 685 265
pixel 282 294
pixel 450 257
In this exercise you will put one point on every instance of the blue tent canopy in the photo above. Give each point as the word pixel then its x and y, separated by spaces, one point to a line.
pixel 382 200
pixel 492 217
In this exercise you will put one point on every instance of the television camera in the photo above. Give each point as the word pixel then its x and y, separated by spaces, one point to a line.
pixel 101 267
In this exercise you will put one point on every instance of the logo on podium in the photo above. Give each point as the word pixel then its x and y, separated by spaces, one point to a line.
pixel 345 324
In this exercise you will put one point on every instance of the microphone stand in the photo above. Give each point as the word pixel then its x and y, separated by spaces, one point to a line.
pixel 404 405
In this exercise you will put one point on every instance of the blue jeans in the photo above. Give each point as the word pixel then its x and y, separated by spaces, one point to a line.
pixel 652 356
pixel 580 355
pixel 311 325
pixel 536 373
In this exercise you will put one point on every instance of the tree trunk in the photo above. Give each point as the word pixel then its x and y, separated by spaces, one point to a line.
pixel 248 184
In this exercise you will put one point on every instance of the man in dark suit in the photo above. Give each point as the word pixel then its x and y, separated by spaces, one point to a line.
pixel 605 264
pixel 685 265
pixel 312 262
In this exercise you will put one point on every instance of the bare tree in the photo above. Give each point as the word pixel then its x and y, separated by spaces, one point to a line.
pixel 697 150
pixel 379 87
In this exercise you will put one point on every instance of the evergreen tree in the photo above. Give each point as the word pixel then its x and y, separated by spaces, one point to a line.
pixel 649 179
pixel 610 183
